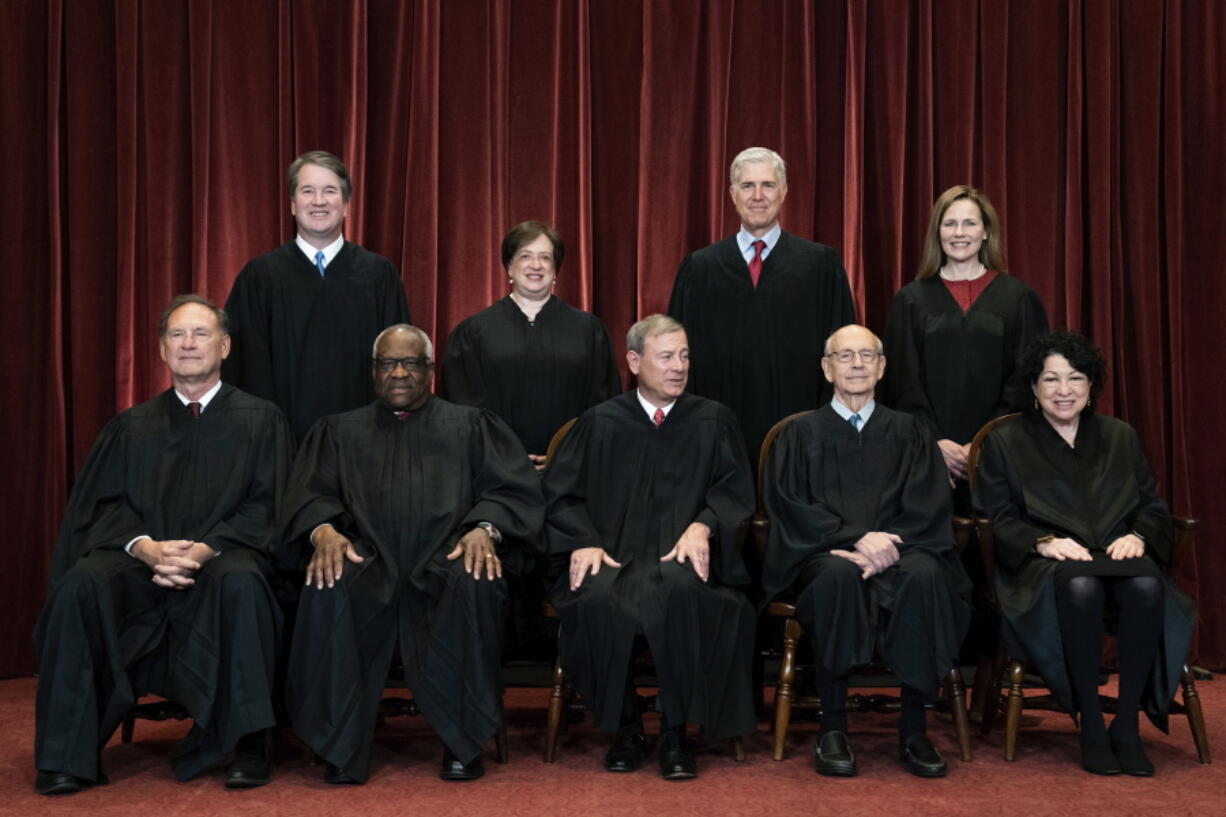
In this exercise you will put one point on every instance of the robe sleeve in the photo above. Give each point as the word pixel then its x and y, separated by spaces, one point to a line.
pixel 729 502
pixel 249 365
pixel 392 301
pixel 506 488
pixel 1151 518
pixel 998 495
pixel 313 496
pixel 903 389
pixel 604 380
pixel 568 525
pixel 462 380
pixel 801 522
pixel 843 309
pixel 253 524
pixel 680 293
pixel 1029 322
pixel 925 517
pixel 98 515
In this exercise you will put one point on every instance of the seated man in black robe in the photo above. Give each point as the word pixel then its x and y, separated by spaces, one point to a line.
pixel 304 314
pixel 399 507
pixel 646 494
pixel 859 505
pixel 159 577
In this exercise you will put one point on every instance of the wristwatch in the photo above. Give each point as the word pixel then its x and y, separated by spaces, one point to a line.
pixel 494 533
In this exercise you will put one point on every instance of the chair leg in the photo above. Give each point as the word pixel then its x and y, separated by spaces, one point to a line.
pixel 500 743
pixel 989 704
pixel 1196 716
pixel 1013 716
pixel 956 696
pixel 129 723
pixel 787 678
pixel 738 749
pixel 557 702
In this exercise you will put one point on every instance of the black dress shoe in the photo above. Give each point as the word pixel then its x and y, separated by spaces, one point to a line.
pixel 1097 757
pixel 337 776
pixel 1130 754
pixel 59 783
pixel 833 757
pixel 252 765
pixel 676 763
pixel 920 757
pixel 453 769
pixel 628 750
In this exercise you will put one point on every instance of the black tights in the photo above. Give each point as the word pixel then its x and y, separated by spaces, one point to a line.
pixel 1080 601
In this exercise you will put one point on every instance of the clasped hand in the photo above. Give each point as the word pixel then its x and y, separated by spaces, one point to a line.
pixel 174 562
pixel 874 552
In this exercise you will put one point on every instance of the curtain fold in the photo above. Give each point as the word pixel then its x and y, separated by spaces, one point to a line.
pixel 147 144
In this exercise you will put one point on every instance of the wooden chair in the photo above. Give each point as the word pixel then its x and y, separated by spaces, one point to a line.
pixel 785 696
pixel 1185 532
pixel 563 703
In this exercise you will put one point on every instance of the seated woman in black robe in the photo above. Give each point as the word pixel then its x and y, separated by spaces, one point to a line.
pixel 1078 527
pixel 536 362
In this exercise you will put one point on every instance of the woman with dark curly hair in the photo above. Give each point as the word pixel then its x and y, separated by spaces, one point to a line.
pixel 1079 529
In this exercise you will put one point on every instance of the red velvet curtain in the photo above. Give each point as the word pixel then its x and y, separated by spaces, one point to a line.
pixel 145 145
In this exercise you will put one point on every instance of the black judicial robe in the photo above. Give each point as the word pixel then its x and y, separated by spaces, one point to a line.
pixel 827 486
pixel 304 341
pixel 1031 483
pixel 619 483
pixel 403 492
pixel 108 634
pixel 955 369
pixel 758 350
pixel 535 375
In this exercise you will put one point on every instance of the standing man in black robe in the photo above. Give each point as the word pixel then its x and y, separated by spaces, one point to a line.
pixel 758 305
pixel 158 580
pixel 646 494
pixel 304 315
pixel 861 531
pixel 396 510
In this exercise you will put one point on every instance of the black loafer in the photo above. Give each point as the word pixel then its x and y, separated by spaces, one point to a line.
pixel 1097 757
pixel 337 776
pixel 676 763
pixel 1131 755
pixel 920 757
pixel 59 783
pixel 628 750
pixel 833 757
pixel 252 765
pixel 453 769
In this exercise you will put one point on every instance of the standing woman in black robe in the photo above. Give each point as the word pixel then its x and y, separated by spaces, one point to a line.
pixel 1078 528
pixel 953 334
pixel 536 362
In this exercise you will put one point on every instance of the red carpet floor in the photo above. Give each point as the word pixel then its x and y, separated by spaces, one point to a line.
pixel 1045 779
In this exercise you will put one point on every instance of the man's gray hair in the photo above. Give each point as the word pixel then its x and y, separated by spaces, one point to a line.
pixel 649 327
pixel 223 320
pixel 402 327
pixel 829 347
pixel 758 155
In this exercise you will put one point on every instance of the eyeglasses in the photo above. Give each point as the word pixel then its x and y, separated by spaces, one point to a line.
pixel 846 355
pixel 387 365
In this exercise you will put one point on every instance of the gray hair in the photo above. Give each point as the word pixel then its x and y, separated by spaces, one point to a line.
pixel 402 327
pixel 649 327
pixel 758 155
pixel 223 320
pixel 829 347
pixel 325 160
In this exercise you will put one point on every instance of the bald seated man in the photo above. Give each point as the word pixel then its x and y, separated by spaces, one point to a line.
pixel 397 512
pixel 861 534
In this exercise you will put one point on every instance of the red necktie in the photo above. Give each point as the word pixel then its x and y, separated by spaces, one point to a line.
pixel 658 417
pixel 755 263
pixel 195 407
pixel 401 415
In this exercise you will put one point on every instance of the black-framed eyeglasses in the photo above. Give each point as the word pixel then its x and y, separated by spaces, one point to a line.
pixel 387 365
pixel 868 356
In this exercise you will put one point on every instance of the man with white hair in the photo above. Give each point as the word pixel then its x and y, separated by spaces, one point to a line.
pixel 757 305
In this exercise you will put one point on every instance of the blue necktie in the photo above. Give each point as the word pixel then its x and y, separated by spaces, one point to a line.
pixel 855 421
pixel 319 262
